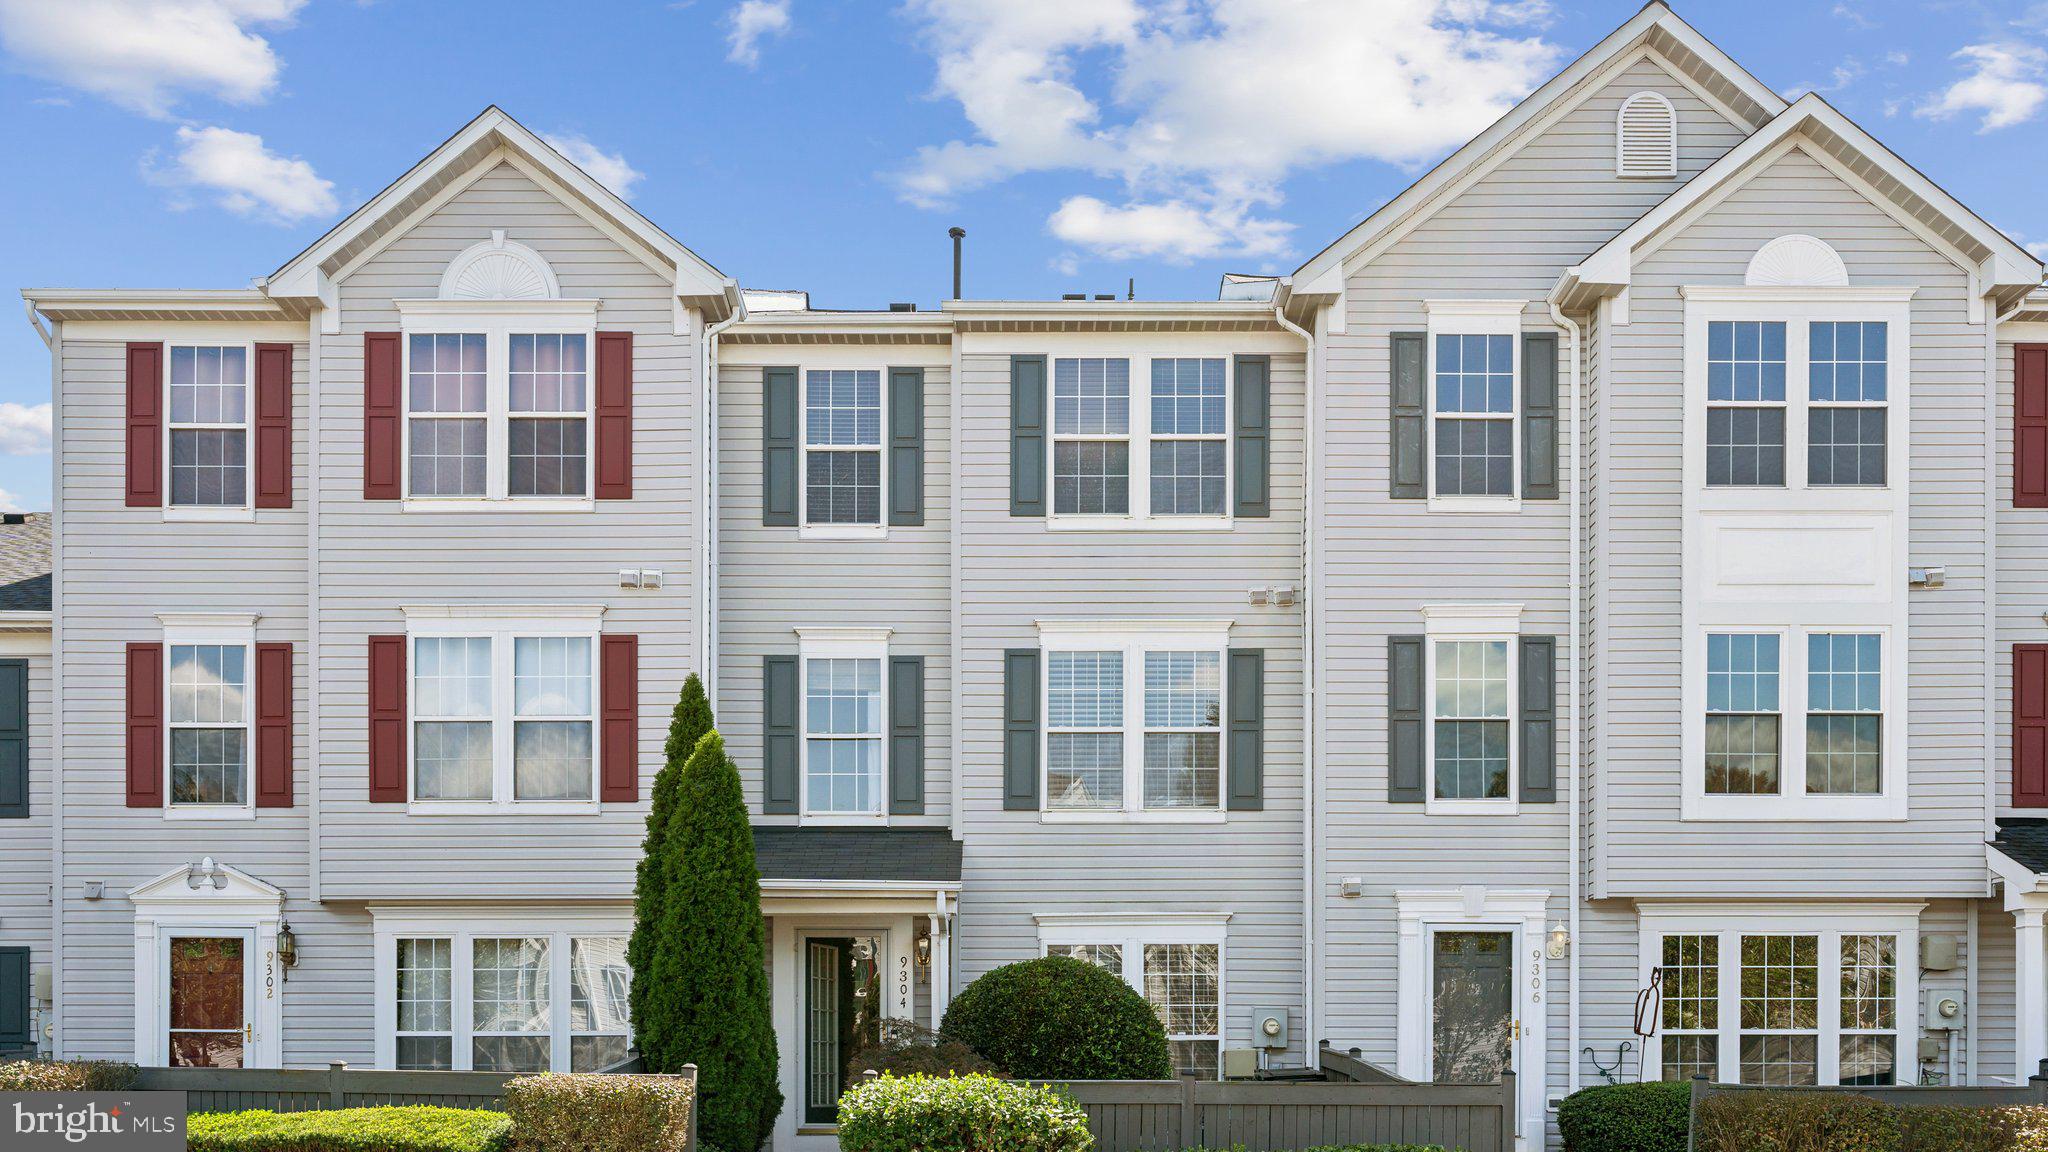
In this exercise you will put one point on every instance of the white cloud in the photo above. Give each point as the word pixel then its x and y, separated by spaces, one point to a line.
pixel 1193 104
pixel 24 430
pixel 2005 85
pixel 247 177
pixel 145 54
pixel 607 168
pixel 751 22
pixel 10 502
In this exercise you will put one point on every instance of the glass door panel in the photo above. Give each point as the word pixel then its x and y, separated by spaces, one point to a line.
pixel 1472 1007
pixel 208 996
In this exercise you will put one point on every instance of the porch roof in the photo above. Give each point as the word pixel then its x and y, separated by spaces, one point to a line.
pixel 919 856
pixel 2024 841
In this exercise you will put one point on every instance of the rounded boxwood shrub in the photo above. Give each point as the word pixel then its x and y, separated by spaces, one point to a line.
pixel 412 1128
pixel 959 1114
pixel 1625 1118
pixel 1057 1018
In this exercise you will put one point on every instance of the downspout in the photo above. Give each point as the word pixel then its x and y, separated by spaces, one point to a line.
pixel 1990 654
pixel 707 510
pixel 53 338
pixel 1574 335
pixel 1311 673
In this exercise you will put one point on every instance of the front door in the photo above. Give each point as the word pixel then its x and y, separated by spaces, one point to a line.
pixel 841 1012
pixel 1472 1007
pixel 209 990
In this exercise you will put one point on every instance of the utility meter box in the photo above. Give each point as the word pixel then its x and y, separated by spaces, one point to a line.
pixel 1941 1009
pixel 1240 1063
pixel 1269 1028
pixel 1937 952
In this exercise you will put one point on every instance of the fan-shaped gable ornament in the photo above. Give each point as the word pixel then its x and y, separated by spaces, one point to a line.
pixel 499 269
pixel 1796 262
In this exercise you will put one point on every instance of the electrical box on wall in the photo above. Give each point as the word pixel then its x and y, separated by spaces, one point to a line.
pixel 1240 1063
pixel 1941 1009
pixel 1269 1028
pixel 1938 953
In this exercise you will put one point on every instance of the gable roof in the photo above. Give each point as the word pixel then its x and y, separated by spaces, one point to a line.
pixel 1656 26
pixel 494 133
pixel 2002 268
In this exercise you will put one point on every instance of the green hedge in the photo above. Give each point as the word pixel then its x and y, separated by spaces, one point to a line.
pixel 959 1114
pixel 906 1048
pixel 1057 1018
pixel 2018 1129
pixel 1625 1118
pixel 66 1076
pixel 558 1113
pixel 408 1129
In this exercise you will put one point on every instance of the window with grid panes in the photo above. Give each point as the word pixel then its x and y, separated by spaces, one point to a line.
pixel 843 446
pixel 1743 720
pixel 209 426
pixel 209 715
pixel 1844 713
pixel 1183 729
pixel 1847 365
pixel 1779 1043
pixel 843 735
pixel 1091 436
pixel 1868 1044
pixel 1190 436
pixel 1745 404
pixel 1474 434
pixel 1471 720
pixel 1690 1018
pixel 1084 766
pixel 1183 983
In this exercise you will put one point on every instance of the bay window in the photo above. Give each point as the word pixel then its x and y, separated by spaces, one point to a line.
pixel 1175 964
pixel 1133 722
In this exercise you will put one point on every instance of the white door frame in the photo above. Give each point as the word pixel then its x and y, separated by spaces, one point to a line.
pixel 1476 908
pixel 208 899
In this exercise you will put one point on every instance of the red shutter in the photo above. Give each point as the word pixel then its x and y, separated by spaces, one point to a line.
pixel 145 426
pixel 145 726
pixel 273 724
pixel 614 415
pixel 2030 725
pixel 2030 426
pixel 273 426
pixel 619 666
pixel 382 422
pixel 387 719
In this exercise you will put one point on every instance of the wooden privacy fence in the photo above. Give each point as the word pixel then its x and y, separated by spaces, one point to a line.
pixel 1272 1115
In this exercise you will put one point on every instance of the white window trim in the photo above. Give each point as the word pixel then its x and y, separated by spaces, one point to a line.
pixel 228 513
pixel 1475 318
pixel 1139 437
pixel 1792 801
pixel 1471 622
pixel 844 644
pixel 807 530
pixel 1421 913
pixel 502 624
pixel 497 321
pixel 231 630
pixel 1132 933
pixel 1133 639
pixel 1821 607
pixel 461 926
pixel 1830 922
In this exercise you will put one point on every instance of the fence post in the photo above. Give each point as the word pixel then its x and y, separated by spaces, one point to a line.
pixel 1511 1112
pixel 689 1072
pixel 1692 1109
pixel 2039 1082
pixel 337 1093
pixel 1190 1118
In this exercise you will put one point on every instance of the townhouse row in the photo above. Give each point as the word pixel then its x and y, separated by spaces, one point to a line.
pixel 1609 576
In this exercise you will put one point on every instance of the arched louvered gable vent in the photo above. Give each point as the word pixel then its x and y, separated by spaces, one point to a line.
pixel 1646 137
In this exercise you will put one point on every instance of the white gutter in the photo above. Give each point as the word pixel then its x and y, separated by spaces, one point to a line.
pixel 707 508
pixel 1311 672
pixel 36 322
pixel 1576 336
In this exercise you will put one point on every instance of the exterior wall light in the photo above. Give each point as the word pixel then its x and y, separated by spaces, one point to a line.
pixel 1560 942
pixel 287 946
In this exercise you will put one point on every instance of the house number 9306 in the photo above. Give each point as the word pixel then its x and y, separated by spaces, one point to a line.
pixel 1536 975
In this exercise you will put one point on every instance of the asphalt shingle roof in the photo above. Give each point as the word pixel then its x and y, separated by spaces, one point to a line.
pixel 25 562
pixel 2025 839
pixel 928 855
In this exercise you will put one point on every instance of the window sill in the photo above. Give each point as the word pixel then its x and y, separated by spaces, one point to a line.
pixel 503 808
pixel 1435 807
pixel 209 515
pixel 205 814
pixel 1793 809
pixel 1205 816
pixel 519 504
pixel 842 532
pixel 1137 523
pixel 843 820
pixel 1493 504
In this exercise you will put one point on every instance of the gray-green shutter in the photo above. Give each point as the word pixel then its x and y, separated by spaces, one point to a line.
pixel 16 1035
pixel 1250 438
pixel 906 446
pixel 906 735
pixel 1247 729
pixel 1405 777
pixel 778 735
pixel 1539 719
pixel 1020 729
pixel 1027 437
pixel 1539 415
pixel 778 446
pixel 13 739
pixel 1408 371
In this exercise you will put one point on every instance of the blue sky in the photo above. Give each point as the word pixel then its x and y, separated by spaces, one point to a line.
pixel 828 146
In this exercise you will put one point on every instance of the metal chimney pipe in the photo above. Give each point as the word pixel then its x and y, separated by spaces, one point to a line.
pixel 958 234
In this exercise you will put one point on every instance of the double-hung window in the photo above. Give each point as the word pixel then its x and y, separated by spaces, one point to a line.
pixel 1091 436
pixel 1743 714
pixel 842 473
pixel 1472 382
pixel 1844 713
pixel 1162 455
pixel 498 403
pixel 209 425
pixel 1746 403
pixel 209 720
pixel 844 706
pixel 1829 685
pixel 1470 707
pixel 504 712
pixel 1790 998
pixel 1845 415
pixel 1133 721
pixel 1177 968
pixel 1190 436
pixel 465 991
